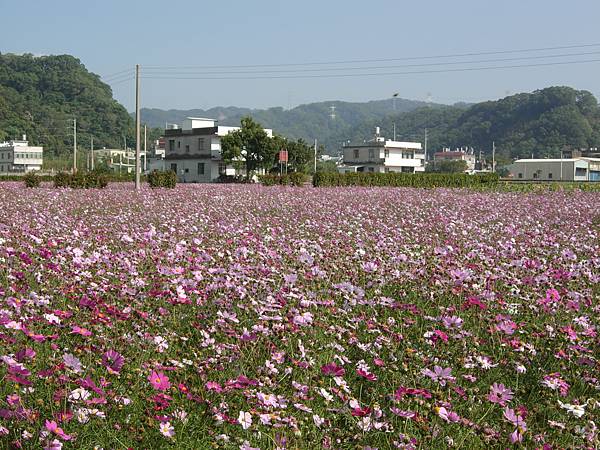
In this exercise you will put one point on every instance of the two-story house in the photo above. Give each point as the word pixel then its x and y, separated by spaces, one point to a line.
pixel 380 155
pixel 19 156
pixel 194 150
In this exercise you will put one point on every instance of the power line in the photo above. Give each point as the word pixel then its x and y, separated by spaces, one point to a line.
pixel 118 78
pixel 357 61
pixel 117 73
pixel 351 75
pixel 521 58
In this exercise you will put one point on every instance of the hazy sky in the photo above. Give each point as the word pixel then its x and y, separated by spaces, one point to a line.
pixel 110 36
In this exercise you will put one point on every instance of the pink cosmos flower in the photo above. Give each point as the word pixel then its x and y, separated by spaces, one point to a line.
pixel 439 374
pixel 159 381
pixel 53 427
pixel 499 394
pixel 517 420
pixel 447 415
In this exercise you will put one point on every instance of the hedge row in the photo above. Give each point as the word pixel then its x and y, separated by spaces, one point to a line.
pixel 290 179
pixel 111 177
pixel 166 179
pixel 81 180
pixel 395 179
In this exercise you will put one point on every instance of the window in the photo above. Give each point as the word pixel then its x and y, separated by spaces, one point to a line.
pixel 187 148
pixel 178 144
pixel 171 145
pixel 371 169
pixel 550 176
pixel 200 144
pixel 520 175
pixel 187 170
pixel 174 167
pixel 386 153
pixel 200 168
pixel 580 171
pixel 222 168
pixel 371 154
pixel 356 153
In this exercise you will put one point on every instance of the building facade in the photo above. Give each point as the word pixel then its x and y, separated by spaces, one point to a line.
pixel 380 155
pixel 193 151
pixel 566 169
pixel 119 160
pixel 458 155
pixel 20 157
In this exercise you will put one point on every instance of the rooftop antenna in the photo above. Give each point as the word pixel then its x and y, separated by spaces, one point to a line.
pixel 332 113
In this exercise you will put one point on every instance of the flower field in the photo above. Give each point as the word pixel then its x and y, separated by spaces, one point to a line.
pixel 298 318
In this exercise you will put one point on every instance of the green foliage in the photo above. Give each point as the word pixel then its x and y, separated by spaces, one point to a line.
pixel 32 180
pixel 449 166
pixel 162 179
pixel 249 144
pixel 290 179
pixel 416 180
pixel 81 180
pixel 62 180
pixel 39 96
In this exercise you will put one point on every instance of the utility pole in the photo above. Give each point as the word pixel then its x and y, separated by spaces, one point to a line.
pixel 493 157
pixel 315 167
pixel 92 150
pixel 137 127
pixel 145 148
pixel 425 144
pixel 74 145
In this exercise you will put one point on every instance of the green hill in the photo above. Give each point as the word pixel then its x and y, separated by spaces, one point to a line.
pixel 541 123
pixel 39 96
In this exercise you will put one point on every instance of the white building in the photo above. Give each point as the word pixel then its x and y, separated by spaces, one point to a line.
pixel 194 150
pixel 446 154
pixel 119 160
pixel 20 157
pixel 381 155
pixel 567 169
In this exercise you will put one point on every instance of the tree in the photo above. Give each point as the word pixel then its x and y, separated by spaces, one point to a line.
pixel 250 145
pixel 449 166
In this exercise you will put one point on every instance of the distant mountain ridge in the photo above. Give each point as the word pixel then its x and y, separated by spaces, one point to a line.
pixel 310 121
pixel 541 123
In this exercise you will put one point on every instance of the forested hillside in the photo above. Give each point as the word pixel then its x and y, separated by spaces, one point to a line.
pixel 539 123
pixel 39 96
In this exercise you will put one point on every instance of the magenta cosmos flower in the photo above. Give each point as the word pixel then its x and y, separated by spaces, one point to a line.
pixel 113 361
pixel 159 381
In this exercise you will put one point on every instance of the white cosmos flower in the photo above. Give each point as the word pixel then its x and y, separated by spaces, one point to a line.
pixel 576 410
pixel 245 419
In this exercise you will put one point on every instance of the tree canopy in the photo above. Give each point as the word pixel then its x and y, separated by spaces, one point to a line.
pixel 40 96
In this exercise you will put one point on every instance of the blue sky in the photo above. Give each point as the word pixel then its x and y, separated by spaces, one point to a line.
pixel 113 35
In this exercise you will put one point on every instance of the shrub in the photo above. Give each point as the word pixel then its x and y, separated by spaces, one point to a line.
pixel 31 180
pixel 394 179
pixel 81 180
pixel 61 180
pixel 162 179
pixel 297 178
